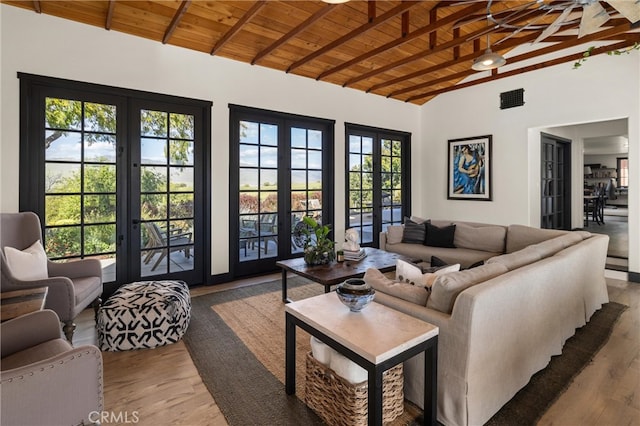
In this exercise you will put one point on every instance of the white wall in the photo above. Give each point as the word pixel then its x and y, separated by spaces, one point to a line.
pixel 604 88
pixel 608 160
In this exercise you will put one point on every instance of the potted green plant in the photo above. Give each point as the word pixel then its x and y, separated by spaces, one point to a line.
pixel 319 249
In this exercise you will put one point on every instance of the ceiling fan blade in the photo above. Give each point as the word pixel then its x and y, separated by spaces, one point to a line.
pixel 593 16
pixel 555 26
pixel 630 9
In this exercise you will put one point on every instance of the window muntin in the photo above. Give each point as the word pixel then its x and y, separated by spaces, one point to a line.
pixel 376 197
pixel 167 191
pixel 80 180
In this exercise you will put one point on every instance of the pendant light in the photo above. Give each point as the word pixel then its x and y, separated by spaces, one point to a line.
pixel 488 60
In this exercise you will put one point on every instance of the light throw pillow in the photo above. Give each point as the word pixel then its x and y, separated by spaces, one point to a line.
pixel 440 237
pixel 29 264
pixel 414 233
pixel 409 273
pixel 384 284
pixel 394 234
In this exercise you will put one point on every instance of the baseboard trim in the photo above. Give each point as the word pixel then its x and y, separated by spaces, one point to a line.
pixel 634 277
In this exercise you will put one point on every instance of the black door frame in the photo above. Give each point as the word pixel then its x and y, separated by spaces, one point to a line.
pixel 31 173
pixel 239 113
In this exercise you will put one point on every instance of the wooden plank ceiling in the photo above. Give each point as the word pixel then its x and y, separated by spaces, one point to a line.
pixel 406 50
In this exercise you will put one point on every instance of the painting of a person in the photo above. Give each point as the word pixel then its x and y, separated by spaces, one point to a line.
pixel 468 171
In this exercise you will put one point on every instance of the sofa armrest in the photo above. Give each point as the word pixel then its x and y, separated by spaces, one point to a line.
pixel 383 240
pixel 64 389
pixel 75 269
pixel 28 330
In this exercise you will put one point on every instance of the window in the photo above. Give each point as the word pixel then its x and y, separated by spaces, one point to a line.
pixel 377 180
pixel 282 170
pixel 623 172
pixel 117 175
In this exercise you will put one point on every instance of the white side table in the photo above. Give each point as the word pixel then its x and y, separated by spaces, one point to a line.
pixel 377 338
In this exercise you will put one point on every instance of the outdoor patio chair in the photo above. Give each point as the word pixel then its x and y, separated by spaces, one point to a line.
pixel 163 242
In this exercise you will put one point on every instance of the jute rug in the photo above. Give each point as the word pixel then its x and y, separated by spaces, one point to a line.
pixel 236 339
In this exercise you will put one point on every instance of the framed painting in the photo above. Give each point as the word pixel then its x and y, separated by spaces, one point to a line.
pixel 469 169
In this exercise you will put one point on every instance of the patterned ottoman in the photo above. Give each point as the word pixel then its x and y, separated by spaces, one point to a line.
pixel 143 315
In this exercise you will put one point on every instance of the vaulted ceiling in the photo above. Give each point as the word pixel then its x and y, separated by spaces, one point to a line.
pixel 406 50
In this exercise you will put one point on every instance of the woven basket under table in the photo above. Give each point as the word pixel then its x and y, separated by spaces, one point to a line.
pixel 340 403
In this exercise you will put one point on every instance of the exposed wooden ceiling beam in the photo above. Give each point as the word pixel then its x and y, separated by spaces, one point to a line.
pixel 294 32
pixel 412 58
pixel 444 65
pixel 371 10
pixel 238 25
pixel 404 28
pixel 176 19
pixel 541 65
pixel 529 55
pixel 445 46
pixel 404 6
pixel 395 43
pixel 109 19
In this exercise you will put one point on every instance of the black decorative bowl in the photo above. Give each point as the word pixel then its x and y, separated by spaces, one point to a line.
pixel 355 294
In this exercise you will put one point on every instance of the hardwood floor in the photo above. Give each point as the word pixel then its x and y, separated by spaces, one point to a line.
pixel 161 386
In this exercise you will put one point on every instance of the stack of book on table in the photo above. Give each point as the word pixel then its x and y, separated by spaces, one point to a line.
pixel 354 255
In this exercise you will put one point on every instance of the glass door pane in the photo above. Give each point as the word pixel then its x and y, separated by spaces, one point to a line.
pixel 166 192
pixel 305 180
pixel 391 182
pixel 361 186
pixel 258 191
pixel 80 182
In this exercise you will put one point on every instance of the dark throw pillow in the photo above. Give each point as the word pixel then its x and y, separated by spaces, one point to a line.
pixel 436 262
pixel 414 233
pixel 440 237
pixel 475 265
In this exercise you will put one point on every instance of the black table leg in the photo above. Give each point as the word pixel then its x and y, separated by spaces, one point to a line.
pixel 285 299
pixel 431 383
pixel 290 356
pixel 327 288
pixel 375 397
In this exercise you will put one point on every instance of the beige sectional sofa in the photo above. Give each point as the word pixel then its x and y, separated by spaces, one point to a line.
pixel 502 321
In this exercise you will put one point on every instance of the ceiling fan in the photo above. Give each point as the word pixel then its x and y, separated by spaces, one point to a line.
pixel 594 15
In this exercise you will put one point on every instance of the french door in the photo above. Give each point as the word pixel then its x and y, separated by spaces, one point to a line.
pixel 281 171
pixel 165 196
pixel 116 176
pixel 377 180
pixel 555 173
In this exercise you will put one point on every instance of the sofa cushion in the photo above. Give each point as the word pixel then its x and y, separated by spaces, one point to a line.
pixel 408 292
pixel 520 236
pixel 486 238
pixel 517 259
pixel 446 287
pixel 394 234
pixel 440 237
pixel 550 247
pixel 29 264
pixel 414 233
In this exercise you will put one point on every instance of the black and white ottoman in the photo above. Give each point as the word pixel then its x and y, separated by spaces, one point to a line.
pixel 144 315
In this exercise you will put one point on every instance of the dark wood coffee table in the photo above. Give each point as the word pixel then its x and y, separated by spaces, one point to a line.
pixel 334 272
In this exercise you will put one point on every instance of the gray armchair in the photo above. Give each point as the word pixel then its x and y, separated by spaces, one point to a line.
pixel 45 380
pixel 72 285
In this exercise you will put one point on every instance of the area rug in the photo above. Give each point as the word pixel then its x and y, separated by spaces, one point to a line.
pixel 236 340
